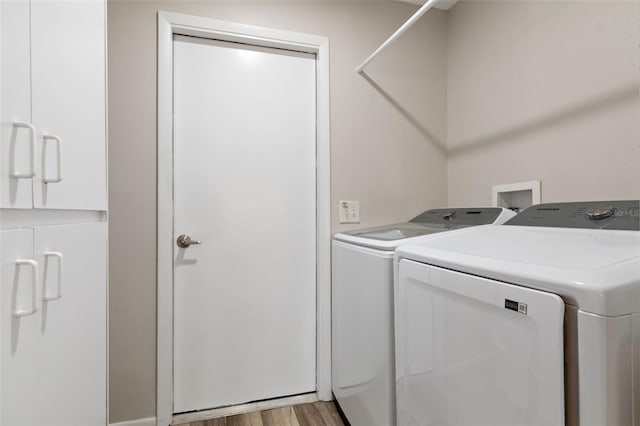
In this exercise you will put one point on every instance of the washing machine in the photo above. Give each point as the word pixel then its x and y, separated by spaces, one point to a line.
pixel 536 322
pixel 362 308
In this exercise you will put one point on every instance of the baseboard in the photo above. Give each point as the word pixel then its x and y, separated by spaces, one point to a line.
pixel 150 421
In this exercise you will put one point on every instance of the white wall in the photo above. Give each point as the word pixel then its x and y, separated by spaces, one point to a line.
pixel 387 144
pixel 543 90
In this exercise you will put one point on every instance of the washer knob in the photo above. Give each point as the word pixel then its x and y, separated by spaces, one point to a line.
pixel 600 212
pixel 450 215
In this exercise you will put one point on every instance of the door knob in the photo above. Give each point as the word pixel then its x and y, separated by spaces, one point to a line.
pixel 184 241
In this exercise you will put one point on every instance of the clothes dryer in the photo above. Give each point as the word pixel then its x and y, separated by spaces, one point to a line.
pixel 362 308
pixel 536 322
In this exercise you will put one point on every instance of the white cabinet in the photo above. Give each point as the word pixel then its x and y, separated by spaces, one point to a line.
pixel 53 250
pixel 53 325
pixel 17 143
pixel 53 105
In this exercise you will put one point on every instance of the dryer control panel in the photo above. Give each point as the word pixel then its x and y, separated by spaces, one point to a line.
pixel 620 215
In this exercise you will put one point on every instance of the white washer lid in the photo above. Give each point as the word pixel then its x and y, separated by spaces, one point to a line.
pixel 596 270
pixel 389 237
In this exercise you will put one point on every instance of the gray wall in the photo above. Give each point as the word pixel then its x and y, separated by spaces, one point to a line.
pixel 387 144
pixel 543 90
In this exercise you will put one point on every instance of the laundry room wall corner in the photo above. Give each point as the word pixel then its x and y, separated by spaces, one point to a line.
pixel 376 147
pixel 545 91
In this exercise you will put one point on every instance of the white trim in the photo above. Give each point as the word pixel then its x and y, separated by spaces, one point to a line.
pixel 1 210
pixel 244 408
pixel 149 421
pixel 323 205
pixel 106 212
pixel 168 25
pixel 532 185
pixel 20 218
pixel 164 309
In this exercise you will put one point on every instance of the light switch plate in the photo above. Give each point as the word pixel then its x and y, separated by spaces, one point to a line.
pixel 349 211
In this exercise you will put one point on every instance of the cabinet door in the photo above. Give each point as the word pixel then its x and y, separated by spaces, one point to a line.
pixel 18 334
pixel 17 154
pixel 68 84
pixel 72 351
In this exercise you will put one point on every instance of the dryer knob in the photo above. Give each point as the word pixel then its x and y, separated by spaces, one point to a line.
pixel 600 212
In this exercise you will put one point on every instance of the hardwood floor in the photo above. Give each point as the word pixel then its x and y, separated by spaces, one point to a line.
pixel 320 413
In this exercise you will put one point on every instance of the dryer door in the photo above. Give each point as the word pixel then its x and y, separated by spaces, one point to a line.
pixel 474 351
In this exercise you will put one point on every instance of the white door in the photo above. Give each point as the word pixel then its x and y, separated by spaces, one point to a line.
pixel 245 186
pixel 474 351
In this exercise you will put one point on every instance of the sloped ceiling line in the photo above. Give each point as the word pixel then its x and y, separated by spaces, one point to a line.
pixel 442 4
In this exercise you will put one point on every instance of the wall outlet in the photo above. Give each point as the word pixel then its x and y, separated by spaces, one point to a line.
pixel 349 211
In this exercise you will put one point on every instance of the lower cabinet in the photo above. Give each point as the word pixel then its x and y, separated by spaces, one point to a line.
pixel 53 335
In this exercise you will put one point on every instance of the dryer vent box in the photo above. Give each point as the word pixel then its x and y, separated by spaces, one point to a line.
pixel 516 196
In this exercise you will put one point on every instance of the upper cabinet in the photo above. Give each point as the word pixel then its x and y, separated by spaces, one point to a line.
pixel 17 137
pixel 53 83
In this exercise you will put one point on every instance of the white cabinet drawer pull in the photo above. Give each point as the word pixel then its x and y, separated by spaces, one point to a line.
pixel 34 286
pixel 57 255
pixel 32 154
pixel 58 142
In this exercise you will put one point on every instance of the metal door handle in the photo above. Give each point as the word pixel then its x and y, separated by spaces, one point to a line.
pixel 185 241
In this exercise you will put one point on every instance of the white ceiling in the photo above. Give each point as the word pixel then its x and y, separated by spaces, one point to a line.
pixel 442 4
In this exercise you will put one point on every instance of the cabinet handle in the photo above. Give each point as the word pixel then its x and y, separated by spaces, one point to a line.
pixel 32 146
pixel 34 287
pixel 57 255
pixel 58 141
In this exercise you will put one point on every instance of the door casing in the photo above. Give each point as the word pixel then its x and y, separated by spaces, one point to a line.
pixel 170 24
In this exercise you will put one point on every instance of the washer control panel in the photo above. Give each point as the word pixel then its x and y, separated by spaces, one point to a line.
pixel 621 215
pixel 458 217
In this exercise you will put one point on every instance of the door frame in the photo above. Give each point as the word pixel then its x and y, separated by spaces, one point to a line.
pixel 170 24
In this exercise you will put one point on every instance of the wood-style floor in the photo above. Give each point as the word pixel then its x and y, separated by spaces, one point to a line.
pixel 320 413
